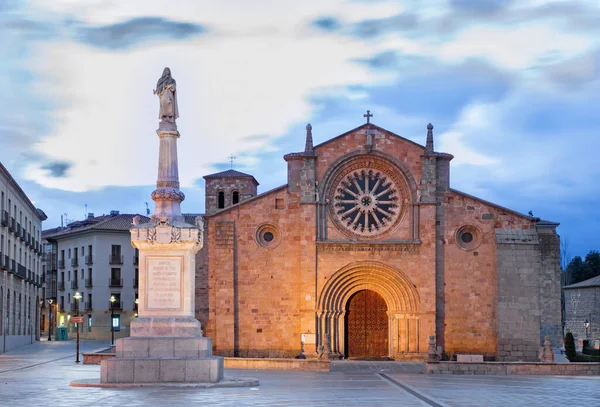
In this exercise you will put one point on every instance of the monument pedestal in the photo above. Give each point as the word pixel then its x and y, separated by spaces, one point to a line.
pixel 141 360
pixel 165 345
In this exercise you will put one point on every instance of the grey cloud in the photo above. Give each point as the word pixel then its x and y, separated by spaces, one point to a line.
pixel 327 23
pixel 573 15
pixel 400 22
pixel 57 169
pixel 137 31
pixel 575 72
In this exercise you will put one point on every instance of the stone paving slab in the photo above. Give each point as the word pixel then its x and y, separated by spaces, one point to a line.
pixel 40 374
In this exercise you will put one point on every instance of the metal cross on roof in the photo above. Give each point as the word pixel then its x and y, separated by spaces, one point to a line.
pixel 368 116
pixel 232 159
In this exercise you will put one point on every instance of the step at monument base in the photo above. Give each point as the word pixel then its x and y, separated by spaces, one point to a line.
pixel 140 347
pixel 162 370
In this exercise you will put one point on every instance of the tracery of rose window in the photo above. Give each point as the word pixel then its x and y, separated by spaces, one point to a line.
pixel 367 202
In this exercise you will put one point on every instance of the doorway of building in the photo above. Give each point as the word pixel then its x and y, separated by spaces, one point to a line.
pixel 366 326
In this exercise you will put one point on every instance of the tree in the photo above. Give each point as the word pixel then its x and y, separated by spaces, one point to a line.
pixel 575 269
pixel 591 265
pixel 570 351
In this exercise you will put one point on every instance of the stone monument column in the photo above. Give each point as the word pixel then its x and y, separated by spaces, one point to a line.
pixel 165 345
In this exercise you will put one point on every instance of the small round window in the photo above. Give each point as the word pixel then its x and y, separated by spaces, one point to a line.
pixel 468 237
pixel 268 236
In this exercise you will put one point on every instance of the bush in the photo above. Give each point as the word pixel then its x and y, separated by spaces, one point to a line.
pixel 589 350
pixel 570 351
pixel 586 358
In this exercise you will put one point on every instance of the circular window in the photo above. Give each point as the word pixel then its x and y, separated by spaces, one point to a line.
pixel 468 237
pixel 368 199
pixel 268 236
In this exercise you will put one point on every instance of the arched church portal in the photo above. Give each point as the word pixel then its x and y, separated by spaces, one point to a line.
pixel 368 310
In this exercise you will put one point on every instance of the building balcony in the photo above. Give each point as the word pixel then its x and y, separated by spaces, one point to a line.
pixel 115 282
pixel 74 284
pixel 89 260
pixel 88 283
pixel 3 265
pixel 136 260
pixel 13 267
pixel 18 229
pixel 88 306
pixel 22 271
pixel 73 307
pixel 61 307
pixel 12 226
pixel 22 235
pixel 4 218
pixel 61 286
pixel 136 283
pixel 115 306
pixel 74 262
pixel 61 264
pixel 115 259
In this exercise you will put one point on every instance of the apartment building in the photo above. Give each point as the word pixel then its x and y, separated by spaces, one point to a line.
pixel 21 277
pixel 94 258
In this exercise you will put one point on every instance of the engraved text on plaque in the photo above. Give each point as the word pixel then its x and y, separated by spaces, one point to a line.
pixel 163 284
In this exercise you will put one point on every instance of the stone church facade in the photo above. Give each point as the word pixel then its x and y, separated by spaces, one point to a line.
pixel 366 252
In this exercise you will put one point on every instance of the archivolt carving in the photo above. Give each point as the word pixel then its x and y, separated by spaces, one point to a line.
pixel 398 291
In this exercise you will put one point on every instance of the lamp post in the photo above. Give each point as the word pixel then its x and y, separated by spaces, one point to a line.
pixel 77 297
pixel 112 316
pixel 49 318
pixel 587 326
pixel 137 301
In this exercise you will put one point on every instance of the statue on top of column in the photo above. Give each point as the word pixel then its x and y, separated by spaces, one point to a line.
pixel 167 94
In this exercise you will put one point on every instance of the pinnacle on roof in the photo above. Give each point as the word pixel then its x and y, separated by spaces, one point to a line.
pixel 429 144
pixel 308 147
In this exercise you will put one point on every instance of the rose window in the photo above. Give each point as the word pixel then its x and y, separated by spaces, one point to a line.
pixel 366 202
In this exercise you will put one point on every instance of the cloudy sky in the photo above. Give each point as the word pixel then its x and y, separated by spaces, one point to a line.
pixel 512 88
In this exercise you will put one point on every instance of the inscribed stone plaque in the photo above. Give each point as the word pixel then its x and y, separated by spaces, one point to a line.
pixel 164 283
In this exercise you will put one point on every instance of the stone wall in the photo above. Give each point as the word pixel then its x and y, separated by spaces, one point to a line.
pixel 514 368
pixel 519 270
pixel 28 330
pixel 582 304
pixel 550 307
pixel 246 186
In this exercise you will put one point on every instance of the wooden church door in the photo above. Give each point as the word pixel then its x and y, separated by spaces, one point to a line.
pixel 366 326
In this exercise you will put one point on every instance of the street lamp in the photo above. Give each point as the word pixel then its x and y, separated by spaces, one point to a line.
pixel 77 297
pixel 50 301
pixel 137 301
pixel 112 317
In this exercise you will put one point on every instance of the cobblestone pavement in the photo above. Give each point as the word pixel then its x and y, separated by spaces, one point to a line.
pixel 39 374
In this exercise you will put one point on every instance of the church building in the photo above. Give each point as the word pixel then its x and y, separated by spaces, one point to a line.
pixel 366 252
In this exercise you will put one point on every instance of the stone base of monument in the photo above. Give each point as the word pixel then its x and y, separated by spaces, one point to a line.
pixel 163 361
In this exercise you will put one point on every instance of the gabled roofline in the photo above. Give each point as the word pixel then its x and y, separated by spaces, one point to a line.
pixel 491 204
pixel 372 126
pixel 254 198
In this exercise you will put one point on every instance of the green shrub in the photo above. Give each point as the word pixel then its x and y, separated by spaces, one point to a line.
pixel 570 352
pixel 588 349
pixel 586 358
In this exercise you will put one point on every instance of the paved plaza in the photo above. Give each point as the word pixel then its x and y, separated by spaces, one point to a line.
pixel 39 374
